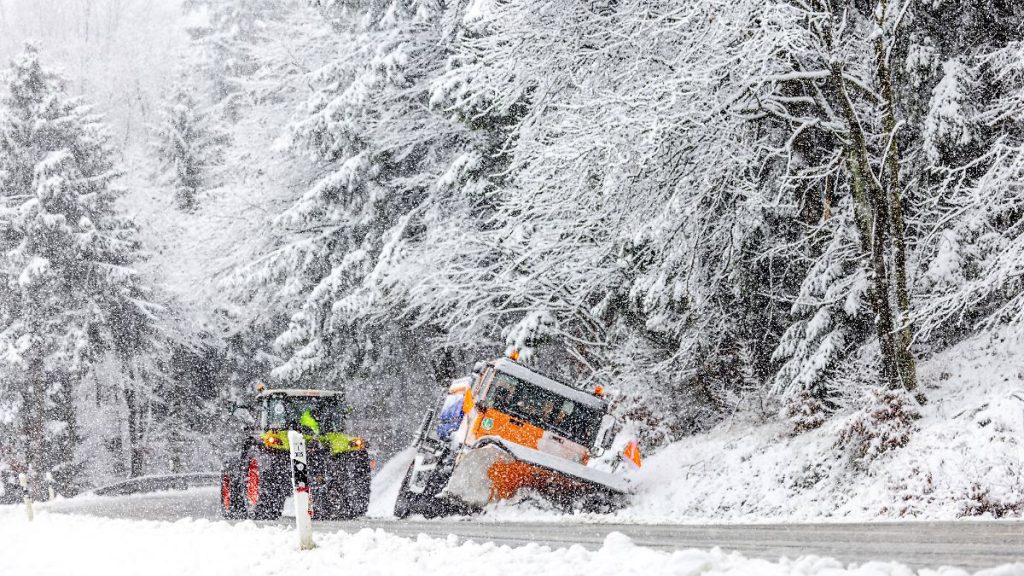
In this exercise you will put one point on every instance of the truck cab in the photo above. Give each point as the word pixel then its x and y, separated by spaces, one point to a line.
pixel 517 429
pixel 521 406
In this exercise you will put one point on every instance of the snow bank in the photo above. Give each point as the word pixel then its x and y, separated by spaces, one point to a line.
pixel 965 458
pixel 59 544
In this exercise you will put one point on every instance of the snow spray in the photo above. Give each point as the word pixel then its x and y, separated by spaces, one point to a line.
pixel 300 487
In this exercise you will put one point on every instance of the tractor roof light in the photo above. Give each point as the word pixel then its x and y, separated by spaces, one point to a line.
pixel 513 355
pixel 356 443
pixel 599 391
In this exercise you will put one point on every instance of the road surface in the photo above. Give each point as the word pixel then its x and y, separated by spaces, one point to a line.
pixel 972 545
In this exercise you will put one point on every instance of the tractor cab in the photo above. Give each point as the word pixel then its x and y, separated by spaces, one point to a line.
pixel 309 414
pixel 256 477
pixel 319 415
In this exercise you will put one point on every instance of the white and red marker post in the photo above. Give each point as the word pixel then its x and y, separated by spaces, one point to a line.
pixel 300 486
pixel 26 495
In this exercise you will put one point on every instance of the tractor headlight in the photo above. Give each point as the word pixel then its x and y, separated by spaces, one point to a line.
pixel 272 441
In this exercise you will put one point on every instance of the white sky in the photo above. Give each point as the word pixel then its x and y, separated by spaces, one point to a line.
pixel 120 54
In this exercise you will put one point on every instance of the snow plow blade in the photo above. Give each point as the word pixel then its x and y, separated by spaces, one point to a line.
pixel 510 467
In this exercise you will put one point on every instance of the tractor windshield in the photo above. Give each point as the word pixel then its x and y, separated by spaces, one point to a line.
pixel 307 414
pixel 545 409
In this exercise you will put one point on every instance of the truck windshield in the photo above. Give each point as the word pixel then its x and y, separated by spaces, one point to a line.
pixel 303 413
pixel 544 409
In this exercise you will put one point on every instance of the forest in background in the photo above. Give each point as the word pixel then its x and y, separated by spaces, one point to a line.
pixel 775 208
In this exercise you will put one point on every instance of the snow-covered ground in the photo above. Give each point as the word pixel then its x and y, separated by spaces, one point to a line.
pixel 59 545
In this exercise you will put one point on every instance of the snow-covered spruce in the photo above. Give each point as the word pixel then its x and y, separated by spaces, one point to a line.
pixel 187 144
pixel 68 292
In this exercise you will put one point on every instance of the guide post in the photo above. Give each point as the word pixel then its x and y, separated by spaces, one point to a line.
pixel 23 480
pixel 300 486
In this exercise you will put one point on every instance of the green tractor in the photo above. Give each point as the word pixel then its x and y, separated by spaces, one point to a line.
pixel 256 477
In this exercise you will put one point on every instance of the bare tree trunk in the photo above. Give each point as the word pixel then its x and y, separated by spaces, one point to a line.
pixel 906 363
pixel 870 200
pixel 135 453
pixel 134 434
pixel 34 427
pixel 177 443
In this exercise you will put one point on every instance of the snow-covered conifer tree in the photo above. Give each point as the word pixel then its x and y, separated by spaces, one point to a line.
pixel 828 318
pixel 225 40
pixel 188 145
pixel 972 241
pixel 67 290
pixel 383 148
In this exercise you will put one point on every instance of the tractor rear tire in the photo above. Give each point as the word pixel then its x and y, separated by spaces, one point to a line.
pixel 356 491
pixel 265 484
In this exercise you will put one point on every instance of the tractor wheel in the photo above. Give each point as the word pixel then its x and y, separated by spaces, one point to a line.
pixel 230 497
pixel 349 495
pixel 264 488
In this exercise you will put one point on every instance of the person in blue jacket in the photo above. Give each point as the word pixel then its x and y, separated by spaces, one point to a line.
pixel 451 416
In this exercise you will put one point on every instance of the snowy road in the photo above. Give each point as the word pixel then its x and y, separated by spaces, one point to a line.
pixel 968 545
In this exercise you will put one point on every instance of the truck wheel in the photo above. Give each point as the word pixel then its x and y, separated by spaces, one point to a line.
pixel 428 504
pixel 264 489
pixel 596 503
pixel 409 502
pixel 404 502
pixel 230 498
pixel 350 496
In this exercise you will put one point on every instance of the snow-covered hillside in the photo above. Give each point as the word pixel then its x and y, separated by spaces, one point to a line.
pixel 965 457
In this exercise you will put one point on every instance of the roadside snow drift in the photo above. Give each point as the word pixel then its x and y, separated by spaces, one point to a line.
pixel 61 545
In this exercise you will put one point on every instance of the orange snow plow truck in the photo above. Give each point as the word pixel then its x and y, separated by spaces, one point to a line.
pixel 506 429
